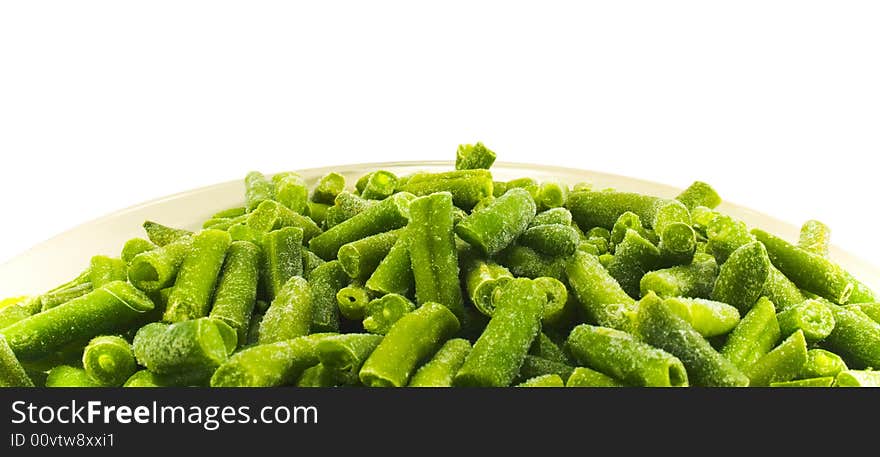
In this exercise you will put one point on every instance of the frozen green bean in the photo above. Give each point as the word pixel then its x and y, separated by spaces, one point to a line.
pixel 108 309
pixel 230 212
pixel 325 282
pixel 153 270
pixel 871 310
pixel 741 279
pixel 628 221
pixel 282 257
pixel 346 206
pixel 855 337
pixel 482 278
pixel 755 335
pixel 815 237
pixel 257 189
pixel 551 194
pixel 318 212
pixel 441 369
pixel 551 239
pixel 353 301
pixel 699 194
pixel 858 378
pixel 726 235
pixel 58 297
pixel 384 311
pixel 290 190
pixel 466 186
pixel 547 380
pixel 709 318
pixel 195 282
pixel 693 280
pixel 135 246
pixel 809 271
pixel 190 346
pixel 499 352
pixel 361 258
pixel 813 317
pixel 394 273
pixel 310 261
pixel 432 252
pixel 560 216
pixel 585 377
pixel 347 352
pixel 678 244
pixel 67 376
pixel 534 366
pixel 781 291
pixel 496 226
pixel 662 328
pixel 12 374
pixel 109 360
pixel 633 257
pixel 389 214
pixel 781 364
pixel 329 186
pixel 821 363
pixel 380 185
pixel 524 261
pixel 269 365
pixel 161 235
pixel 290 314
pixel 596 290
pixel 826 381
pixel 236 292
pixel 473 156
pixel 414 338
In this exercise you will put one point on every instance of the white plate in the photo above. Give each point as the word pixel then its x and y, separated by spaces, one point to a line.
pixel 64 256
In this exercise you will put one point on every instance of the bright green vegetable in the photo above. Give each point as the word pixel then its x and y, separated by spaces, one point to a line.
pixel 855 337
pixel 282 258
pixel 67 376
pixel 109 360
pixel 821 363
pixel 384 311
pixel 162 235
pixel 153 270
pixel 858 378
pixel 290 314
pixel 236 291
pixel 585 377
pixel 135 246
pixel 741 279
pixel 269 365
pixel 493 228
pixel 257 189
pixel 781 364
pixel 188 346
pixel 361 258
pixel 441 369
pixel 633 257
pixel 473 156
pixel 754 336
pixel 826 381
pixel 815 237
pixel 534 366
pixel 551 239
pixel 466 186
pixel 329 186
pixel 547 380
pixel 394 274
pixel 699 194
pixel 12 374
pixel 709 318
pixel 190 298
pixel 693 280
pixel 353 301
pixel 482 279
pixel 325 282
pixel 432 252
pixel 103 269
pixel 380 185
pixel 598 293
pixel 291 191
pixel 559 216
pixel 871 310
pixel 347 352
pixel 813 317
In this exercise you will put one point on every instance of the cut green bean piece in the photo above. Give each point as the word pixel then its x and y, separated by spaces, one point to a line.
pixel 347 352
pixel 858 378
pixel 678 245
pixel 821 363
pixel 230 212
pixel 394 274
pixel 109 360
pixel 135 246
pixel 380 185
pixel 146 378
pixel 14 313
pixel 726 235
pixel 699 194
pixel 473 156
pixel 257 189
pixel 360 258
pixel 597 291
pixel 620 355
pixel 556 296
pixel 12 374
pixel 813 317
pixel 693 280
pixel 552 216
pixel 432 252
pixel 585 377
pixel 389 214
pixel 633 257
pixel 871 310
pixel 741 279
pixel 629 221
pixel 755 335
pixel 236 292
pixel 346 206
pixel 547 380
pixel 190 346
pixel 809 271
pixel 781 291
pixel 526 262
pixel 103 269
pixel 329 186
pixel 290 314
pixel 291 191
pixel 855 337
pixel 499 352
pixel 67 376
pixel 781 364
pixel 282 254
pixel 815 237
pixel 353 301
pixel 709 318
pixel 244 232
pixel 534 366
pixel 383 312
pixel 58 297
pixel 161 235
pixel 441 369
pixel 325 282
pixel 496 226
pixel 826 381
pixel 106 310
pixel 551 194
pixel 318 212
pixel 190 298
pixel 411 340
pixel 551 239
pixel 467 187
pixel 269 365
pixel 603 208
pixel 482 279
pixel 321 376
pixel 662 328
pixel 157 269
pixel 861 292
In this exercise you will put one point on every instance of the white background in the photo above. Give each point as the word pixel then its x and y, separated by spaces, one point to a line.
pixel 107 104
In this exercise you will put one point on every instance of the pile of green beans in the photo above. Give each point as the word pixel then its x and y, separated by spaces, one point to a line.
pixel 452 279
